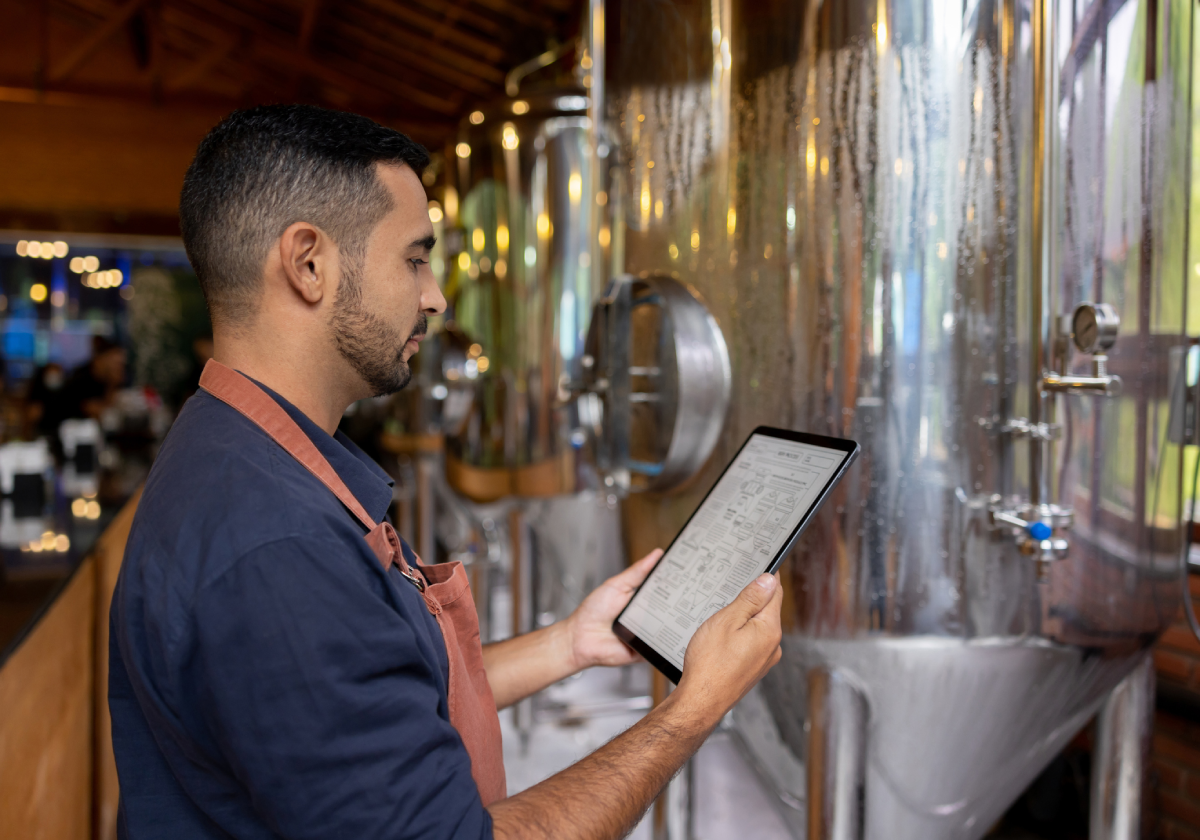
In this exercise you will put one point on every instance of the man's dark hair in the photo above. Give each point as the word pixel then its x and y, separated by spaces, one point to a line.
pixel 269 167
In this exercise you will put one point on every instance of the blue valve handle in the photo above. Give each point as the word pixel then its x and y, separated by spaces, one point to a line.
pixel 1039 531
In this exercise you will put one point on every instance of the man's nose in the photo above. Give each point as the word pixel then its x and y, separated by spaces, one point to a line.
pixel 433 302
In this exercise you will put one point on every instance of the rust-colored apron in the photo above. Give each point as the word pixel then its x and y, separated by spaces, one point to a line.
pixel 444 586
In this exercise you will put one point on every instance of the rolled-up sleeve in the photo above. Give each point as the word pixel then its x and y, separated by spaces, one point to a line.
pixel 317 692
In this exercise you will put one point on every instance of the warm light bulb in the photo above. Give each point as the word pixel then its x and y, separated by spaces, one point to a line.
pixel 38 292
pixel 509 140
pixel 463 150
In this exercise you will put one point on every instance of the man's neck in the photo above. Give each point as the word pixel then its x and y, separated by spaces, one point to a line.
pixel 311 381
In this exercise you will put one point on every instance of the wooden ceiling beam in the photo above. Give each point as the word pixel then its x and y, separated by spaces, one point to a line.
pixel 273 49
pixel 124 99
pixel 203 65
pixel 490 26
pixel 446 106
pixel 486 48
pixel 386 48
pixel 520 14
pixel 308 24
pixel 405 42
pixel 93 42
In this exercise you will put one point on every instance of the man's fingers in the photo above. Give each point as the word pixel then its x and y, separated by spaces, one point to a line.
pixel 769 614
pixel 754 598
pixel 635 574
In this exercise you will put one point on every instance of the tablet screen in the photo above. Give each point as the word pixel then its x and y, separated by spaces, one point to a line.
pixel 743 524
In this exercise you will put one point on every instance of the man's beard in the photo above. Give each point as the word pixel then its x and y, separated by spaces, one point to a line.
pixel 372 347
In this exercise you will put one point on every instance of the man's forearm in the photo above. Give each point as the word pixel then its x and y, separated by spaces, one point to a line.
pixel 524 665
pixel 602 797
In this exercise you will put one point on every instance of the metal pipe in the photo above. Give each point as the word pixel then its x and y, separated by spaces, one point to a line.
pixel 1042 97
pixel 837 757
pixel 1122 749
pixel 512 82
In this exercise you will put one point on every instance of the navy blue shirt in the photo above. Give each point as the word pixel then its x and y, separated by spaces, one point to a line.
pixel 268 678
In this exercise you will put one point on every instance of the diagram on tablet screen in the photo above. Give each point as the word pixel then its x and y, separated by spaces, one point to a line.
pixel 732 538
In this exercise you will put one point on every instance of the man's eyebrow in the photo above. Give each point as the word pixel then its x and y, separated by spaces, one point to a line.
pixel 427 243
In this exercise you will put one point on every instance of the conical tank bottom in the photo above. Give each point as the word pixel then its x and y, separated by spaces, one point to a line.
pixel 957 728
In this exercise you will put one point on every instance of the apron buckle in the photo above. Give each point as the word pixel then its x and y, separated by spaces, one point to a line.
pixel 415 579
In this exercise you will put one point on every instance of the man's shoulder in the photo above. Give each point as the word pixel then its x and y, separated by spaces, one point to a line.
pixel 219 489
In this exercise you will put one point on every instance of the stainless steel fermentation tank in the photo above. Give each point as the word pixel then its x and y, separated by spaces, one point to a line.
pixel 917 224
pixel 568 411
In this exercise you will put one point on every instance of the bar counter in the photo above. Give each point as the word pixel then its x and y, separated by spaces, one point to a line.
pixel 57 776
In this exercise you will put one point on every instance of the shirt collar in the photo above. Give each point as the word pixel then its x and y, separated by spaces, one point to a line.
pixel 364 478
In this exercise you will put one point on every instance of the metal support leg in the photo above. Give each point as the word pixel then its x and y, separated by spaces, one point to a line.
pixel 837 757
pixel 523 594
pixel 1122 750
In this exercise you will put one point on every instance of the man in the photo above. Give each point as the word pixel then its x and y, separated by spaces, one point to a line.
pixel 278 670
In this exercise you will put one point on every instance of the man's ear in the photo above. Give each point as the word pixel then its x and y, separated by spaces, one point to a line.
pixel 306 258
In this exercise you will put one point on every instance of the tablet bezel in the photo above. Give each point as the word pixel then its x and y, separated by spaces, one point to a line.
pixel 850 447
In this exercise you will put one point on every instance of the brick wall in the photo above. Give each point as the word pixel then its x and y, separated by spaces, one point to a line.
pixel 1174 794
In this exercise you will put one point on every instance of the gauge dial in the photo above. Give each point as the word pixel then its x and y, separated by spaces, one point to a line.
pixel 1085 328
pixel 1094 327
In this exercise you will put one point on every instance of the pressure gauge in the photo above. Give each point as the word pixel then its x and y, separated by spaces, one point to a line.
pixel 1094 327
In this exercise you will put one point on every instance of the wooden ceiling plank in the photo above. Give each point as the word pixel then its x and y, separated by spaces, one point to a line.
pixel 448 106
pixel 201 66
pixel 519 14
pixel 487 48
pixel 96 40
pixel 353 86
pixel 447 74
pixel 488 26
pixel 405 42
pixel 269 46
pixel 308 24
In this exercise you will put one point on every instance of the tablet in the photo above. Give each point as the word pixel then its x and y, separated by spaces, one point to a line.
pixel 745 526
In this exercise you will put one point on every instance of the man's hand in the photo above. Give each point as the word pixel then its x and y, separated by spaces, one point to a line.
pixel 520 666
pixel 733 650
pixel 590 626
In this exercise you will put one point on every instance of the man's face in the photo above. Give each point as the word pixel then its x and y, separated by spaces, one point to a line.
pixel 110 366
pixel 383 300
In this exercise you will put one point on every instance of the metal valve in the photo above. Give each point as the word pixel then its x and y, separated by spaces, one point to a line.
pixel 1037 531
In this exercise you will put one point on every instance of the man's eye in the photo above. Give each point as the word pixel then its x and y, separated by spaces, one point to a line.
pixel 419 262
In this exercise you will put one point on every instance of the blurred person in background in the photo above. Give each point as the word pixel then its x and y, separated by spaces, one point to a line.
pixel 92 388
pixel 87 392
pixel 46 406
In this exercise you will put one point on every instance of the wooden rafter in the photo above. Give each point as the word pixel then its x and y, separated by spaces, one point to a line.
pixel 93 42
pixel 368 41
pixel 424 61
pixel 482 23
pixel 308 24
pixel 406 43
pixel 518 13
pixel 203 65
pixel 486 48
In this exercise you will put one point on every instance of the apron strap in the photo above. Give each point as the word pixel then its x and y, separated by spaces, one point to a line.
pixel 241 393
